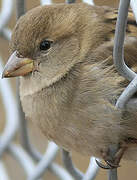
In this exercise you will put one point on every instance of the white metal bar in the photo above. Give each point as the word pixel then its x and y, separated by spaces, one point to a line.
pixel 20 8
pixel 46 160
pixel 6 10
pixel 133 4
pixel 60 172
pixel 70 1
pixel 91 2
pixel 23 158
pixel 130 90
pixel 6 33
pixel 46 2
pixel 76 173
pixel 118 51
pixel 3 172
pixel 92 169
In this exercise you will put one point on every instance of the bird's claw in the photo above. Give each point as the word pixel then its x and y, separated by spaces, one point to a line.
pixel 112 165
pixel 102 165
pixel 109 165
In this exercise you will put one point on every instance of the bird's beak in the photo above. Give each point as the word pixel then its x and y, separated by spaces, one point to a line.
pixel 17 66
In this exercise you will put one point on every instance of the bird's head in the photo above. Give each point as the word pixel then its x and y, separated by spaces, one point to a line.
pixel 49 40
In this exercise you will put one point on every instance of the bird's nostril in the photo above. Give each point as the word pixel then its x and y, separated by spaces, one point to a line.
pixel 18 55
pixel 39 63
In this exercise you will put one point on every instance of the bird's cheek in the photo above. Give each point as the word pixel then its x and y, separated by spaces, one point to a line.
pixel 17 66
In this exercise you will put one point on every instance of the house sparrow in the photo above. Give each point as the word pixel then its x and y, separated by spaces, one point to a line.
pixel 68 84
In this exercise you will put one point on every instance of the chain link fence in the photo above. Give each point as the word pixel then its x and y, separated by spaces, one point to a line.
pixel 27 156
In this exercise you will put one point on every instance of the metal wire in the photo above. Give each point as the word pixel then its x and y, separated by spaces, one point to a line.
pixel 20 8
pixel 5 13
pixel 112 173
pixel 46 2
pixel 70 1
pixel 118 51
pixel 6 33
pixel 78 175
pixel 60 172
pixel 91 2
pixel 130 90
pixel 23 158
pixel 92 170
pixel 3 172
pixel 90 173
pixel 132 87
pixel 133 4
pixel 46 160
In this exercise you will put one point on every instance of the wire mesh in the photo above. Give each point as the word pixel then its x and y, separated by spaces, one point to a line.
pixel 30 159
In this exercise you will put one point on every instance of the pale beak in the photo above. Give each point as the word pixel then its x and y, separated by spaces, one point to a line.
pixel 17 66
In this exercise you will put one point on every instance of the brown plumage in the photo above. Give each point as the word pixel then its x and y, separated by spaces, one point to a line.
pixel 72 90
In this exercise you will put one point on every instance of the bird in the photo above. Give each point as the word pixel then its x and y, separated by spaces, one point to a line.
pixel 68 83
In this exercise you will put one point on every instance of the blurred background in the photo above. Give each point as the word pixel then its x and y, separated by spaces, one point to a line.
pixel 128 170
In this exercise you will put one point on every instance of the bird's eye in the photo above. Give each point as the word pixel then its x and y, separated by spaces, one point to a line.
pixel 45 45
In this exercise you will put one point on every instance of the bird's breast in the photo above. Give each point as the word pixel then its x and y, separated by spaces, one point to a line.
pixel 73 128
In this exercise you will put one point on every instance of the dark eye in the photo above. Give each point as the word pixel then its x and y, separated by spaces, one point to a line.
pixel 45 45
